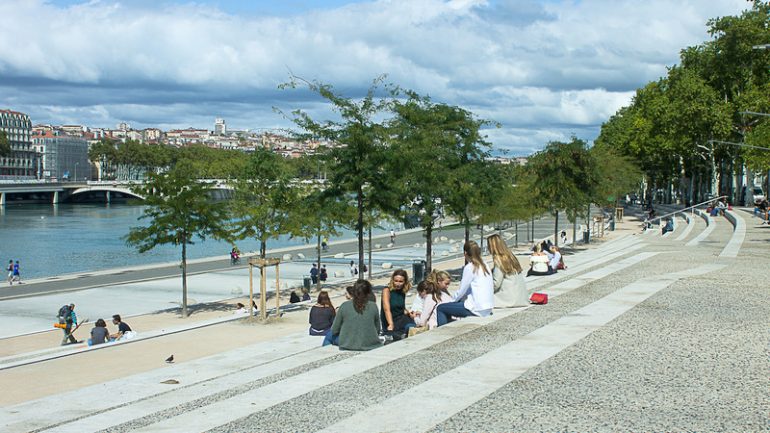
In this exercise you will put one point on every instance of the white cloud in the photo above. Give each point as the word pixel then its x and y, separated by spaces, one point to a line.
pixel 542 69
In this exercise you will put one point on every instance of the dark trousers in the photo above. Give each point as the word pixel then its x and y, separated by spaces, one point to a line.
pixel 68 338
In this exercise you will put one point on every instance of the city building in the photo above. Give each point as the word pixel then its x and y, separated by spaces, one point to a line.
pixel 220 128
pixel 62 156
pixel 21 163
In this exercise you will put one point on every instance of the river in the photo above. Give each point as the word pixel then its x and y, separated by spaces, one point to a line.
pixel 74 238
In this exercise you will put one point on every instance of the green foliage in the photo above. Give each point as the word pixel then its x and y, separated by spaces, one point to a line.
pixel 359 159
pixel 210 163
pixel 563 176
pixel 265 200
pixel 616 175
pixel 5 145
pixel 668 126
pixel 179 211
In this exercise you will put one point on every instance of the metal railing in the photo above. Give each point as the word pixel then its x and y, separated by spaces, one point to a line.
pixel 690 208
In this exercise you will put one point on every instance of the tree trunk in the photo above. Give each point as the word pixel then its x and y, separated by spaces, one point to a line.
pixel 556 229
pixel 184 276
pixel 318 257
pixel 429 248
pixel 369 268
pixel 516 234
pixel 360 228
pixel 262 248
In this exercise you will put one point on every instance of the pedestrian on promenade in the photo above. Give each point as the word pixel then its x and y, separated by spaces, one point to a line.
pixel 392 236
pixel 10 272
pixel 353 269
pixel 325 244
pixel 396 319
pixel 322 315
pixel 68 318
pixel 509 285
pixel 356 325
pixel 323 275
pixel 99 333
pixel 314 274
pixel 538 262
pixel 476 294
pixel 124 331
pixel 16 273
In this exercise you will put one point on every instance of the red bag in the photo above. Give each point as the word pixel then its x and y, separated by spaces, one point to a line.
pixel 538 298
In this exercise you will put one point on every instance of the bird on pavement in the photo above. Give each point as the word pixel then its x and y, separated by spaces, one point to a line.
pixel 170 359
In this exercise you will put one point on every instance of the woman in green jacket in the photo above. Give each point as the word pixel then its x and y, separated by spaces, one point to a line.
pixel 357 323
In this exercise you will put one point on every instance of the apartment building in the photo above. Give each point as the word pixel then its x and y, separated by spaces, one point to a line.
pixel 21 163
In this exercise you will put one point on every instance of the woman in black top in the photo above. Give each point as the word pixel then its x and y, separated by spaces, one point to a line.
pixel 322 315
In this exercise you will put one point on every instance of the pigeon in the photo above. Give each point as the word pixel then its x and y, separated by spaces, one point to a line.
pixel 170 359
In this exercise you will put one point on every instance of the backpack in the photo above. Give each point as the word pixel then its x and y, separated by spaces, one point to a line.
pixel 64 313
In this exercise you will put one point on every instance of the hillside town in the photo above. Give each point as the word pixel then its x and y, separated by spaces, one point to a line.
pixel 60 152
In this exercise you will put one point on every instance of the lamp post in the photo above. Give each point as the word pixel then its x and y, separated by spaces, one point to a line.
pixel 76 171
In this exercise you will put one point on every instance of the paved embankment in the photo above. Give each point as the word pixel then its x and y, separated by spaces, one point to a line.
pixel 642 333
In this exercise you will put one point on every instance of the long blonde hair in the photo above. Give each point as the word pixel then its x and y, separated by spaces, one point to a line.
pixel 502 256
pixel 472 250
pixel 434 277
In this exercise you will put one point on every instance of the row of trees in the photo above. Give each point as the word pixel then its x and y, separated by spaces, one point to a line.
pixel 685 129
pixel 133 160
pixel 397 154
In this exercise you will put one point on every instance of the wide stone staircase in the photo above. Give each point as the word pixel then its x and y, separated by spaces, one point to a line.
pixel 642 333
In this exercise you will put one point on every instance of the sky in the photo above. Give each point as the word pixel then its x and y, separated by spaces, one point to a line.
pixel 542 70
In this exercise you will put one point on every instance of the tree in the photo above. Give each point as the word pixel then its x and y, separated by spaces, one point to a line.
pixel 264 200
pixel 5 145
pixel 563 175
pixel 320 216
pixel 359 152
pixel 179 211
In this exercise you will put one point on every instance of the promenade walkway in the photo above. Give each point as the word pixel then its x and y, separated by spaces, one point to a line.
pixel 643 333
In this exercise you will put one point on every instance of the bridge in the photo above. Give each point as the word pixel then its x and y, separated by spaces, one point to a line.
pixel 40 191
pixel 45 191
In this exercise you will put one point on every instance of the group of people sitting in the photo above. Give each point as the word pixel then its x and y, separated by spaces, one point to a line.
pixel 358 324
pixel 546 259
pixel 100 334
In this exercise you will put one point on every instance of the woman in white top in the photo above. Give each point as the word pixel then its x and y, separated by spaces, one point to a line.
pixel 509 285
pixel 436 293
pixel 475 296
pixel 538 262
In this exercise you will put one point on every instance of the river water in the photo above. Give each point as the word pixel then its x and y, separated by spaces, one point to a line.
pixel 67 238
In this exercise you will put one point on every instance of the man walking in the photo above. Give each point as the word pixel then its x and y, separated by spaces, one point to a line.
pixel 392 236
pixel 16 274
pixel 68 317
pixel 10 272
pixel 314 274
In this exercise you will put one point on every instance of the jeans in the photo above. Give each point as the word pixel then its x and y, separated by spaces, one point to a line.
pixel 331 339
pixel 444 312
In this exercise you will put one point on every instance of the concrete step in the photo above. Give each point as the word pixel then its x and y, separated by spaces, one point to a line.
pixel 143 395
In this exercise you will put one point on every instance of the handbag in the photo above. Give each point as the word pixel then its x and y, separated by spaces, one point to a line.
pixel 417 330
pixel 420 329
pixel 538 298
